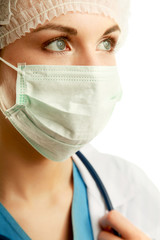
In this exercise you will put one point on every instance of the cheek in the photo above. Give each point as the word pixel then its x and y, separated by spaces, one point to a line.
pixel 7 87
pixel 109 60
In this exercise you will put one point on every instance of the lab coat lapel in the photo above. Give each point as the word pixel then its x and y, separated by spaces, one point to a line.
pixel 108 172
pixel 95 201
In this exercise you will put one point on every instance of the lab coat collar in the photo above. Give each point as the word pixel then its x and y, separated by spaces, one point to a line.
pixel 96 202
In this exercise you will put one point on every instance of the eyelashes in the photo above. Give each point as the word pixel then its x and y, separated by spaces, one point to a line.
pixel 67 40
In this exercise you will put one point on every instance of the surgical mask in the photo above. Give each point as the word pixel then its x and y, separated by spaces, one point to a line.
pixel 59 109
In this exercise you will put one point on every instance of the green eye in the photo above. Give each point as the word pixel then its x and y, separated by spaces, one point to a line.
pixel 61 44
pixel 105 45
pixel 57 45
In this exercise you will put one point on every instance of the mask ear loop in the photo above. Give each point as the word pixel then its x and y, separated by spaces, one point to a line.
pixel 13 67
pixel 16 69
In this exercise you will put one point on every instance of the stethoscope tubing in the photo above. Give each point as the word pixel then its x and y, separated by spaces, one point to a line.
pixel 97 179
pixel 99 184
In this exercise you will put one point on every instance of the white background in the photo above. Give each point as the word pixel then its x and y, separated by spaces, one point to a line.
pixel 133 131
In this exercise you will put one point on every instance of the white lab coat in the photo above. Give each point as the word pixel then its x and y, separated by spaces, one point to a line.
pixel 131 192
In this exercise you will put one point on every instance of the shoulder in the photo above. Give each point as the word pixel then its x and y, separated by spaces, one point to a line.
pixel 131 191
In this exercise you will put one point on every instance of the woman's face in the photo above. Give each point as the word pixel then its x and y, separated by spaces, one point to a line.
pixel 71 39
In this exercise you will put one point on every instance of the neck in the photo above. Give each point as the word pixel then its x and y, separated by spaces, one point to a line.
pixel 26 174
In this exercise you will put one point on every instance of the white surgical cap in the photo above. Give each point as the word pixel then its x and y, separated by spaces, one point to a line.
pixel 19 16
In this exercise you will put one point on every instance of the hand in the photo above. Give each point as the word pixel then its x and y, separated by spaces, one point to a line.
pixel 114 220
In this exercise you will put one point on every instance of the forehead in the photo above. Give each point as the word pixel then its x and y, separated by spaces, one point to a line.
pixel 79 22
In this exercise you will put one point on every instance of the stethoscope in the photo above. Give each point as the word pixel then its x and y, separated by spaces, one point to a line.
pixel 99 183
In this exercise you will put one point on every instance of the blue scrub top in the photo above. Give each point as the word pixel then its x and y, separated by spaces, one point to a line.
pixel 81 222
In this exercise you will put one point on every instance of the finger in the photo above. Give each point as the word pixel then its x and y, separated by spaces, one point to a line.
pixel 111 230
pixel 121 224
pixel 107 236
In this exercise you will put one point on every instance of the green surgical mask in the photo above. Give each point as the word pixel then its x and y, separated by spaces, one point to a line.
pixel 59 109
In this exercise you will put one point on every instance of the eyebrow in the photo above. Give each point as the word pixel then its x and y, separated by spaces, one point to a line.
pixel 112 29
pixel 70 30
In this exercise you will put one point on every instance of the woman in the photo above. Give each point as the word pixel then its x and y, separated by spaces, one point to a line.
pixel 59 85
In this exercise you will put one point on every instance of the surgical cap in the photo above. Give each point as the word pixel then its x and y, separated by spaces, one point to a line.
pixel 18 17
